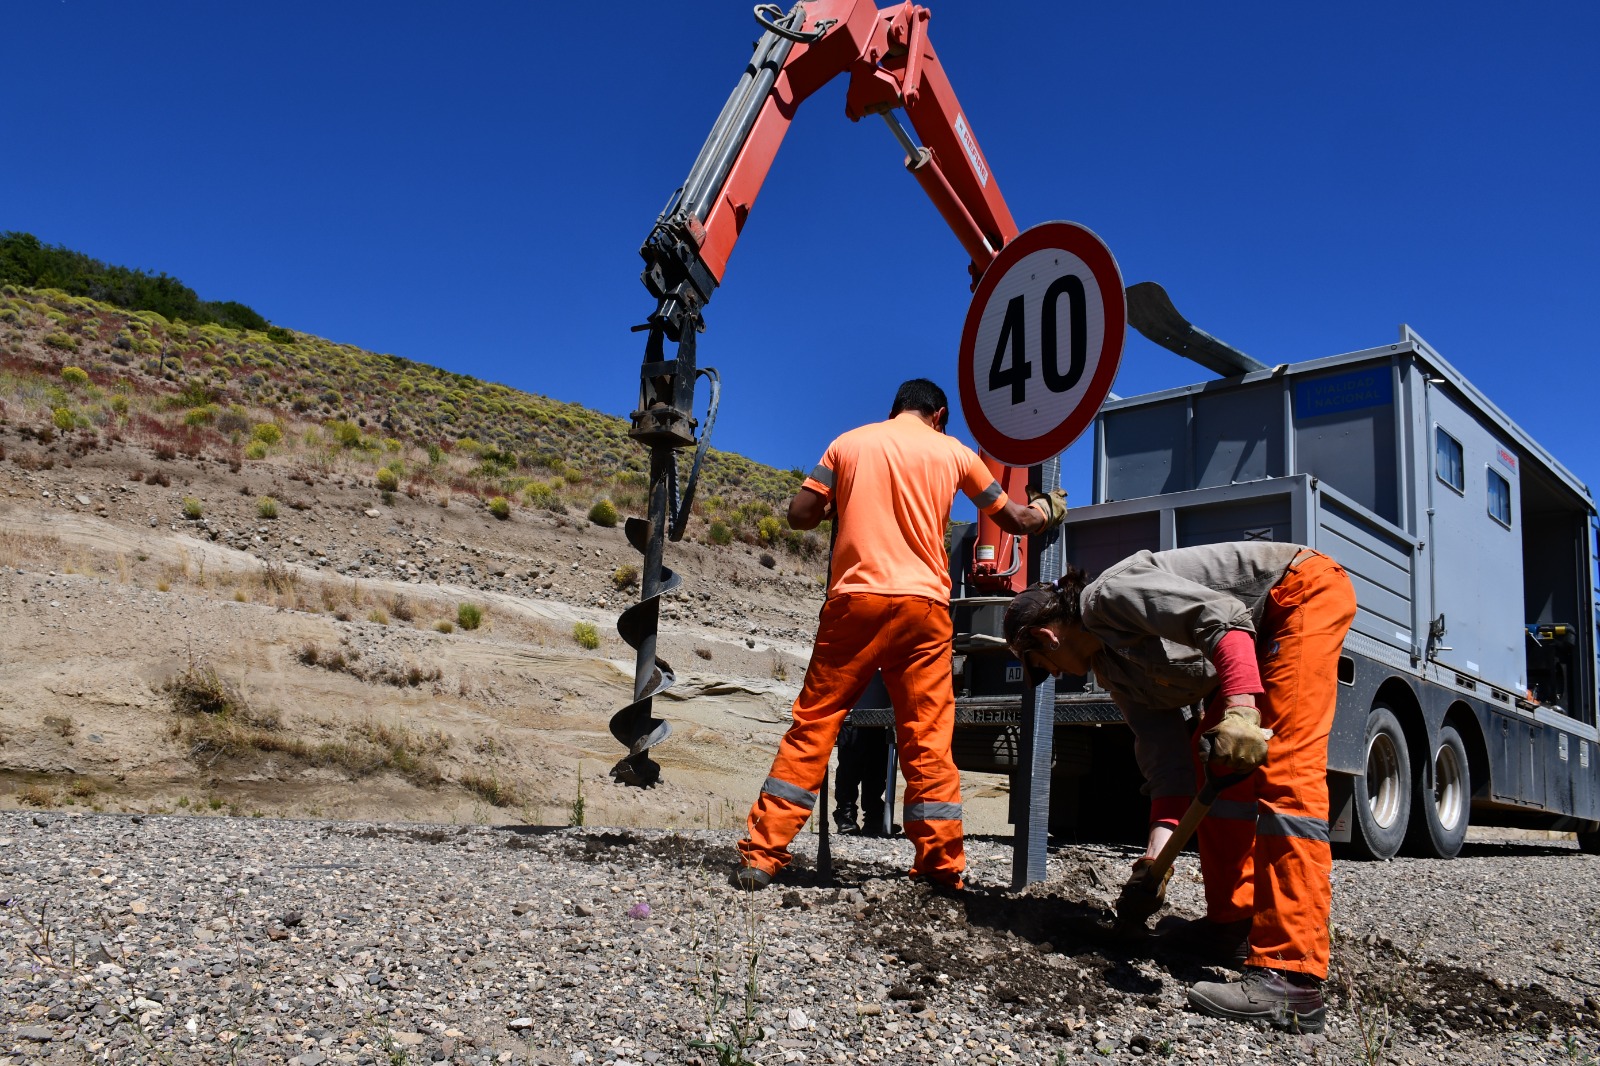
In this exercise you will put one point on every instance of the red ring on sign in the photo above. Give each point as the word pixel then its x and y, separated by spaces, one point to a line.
pixel 1083 243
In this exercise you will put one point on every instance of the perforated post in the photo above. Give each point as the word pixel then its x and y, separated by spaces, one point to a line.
pixel 1031 780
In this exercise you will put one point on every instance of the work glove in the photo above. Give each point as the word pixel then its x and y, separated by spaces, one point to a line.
pixel 1238 741
pixel 1143 895
pixel 1052 504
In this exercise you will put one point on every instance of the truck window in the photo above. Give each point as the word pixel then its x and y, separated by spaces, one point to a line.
pixel 1499 499
pixel 1447 461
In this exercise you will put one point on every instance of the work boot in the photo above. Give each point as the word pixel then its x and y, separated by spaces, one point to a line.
pixel 1288 1001
pixel 1217 943
pixel 844 820
pixel 751 878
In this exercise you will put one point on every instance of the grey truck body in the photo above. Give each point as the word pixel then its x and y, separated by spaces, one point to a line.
pixel 1471 548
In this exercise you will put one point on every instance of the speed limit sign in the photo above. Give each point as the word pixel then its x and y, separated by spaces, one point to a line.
pixel 1041 343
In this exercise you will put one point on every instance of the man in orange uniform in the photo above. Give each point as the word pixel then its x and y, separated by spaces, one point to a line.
pixel 888 487
pixel 1253 629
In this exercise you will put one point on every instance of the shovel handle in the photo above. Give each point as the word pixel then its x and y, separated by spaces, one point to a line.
pixel 1192 817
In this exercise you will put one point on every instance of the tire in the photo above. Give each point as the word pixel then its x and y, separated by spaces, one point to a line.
pixel 1441 811
pixel 1383 792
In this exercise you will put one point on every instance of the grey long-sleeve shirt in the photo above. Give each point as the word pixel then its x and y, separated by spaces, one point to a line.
pixel 1160 615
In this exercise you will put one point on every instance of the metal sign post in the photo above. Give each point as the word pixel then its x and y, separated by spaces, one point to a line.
pixel 1031 779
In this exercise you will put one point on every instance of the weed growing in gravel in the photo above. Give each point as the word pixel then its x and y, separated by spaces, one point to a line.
pixel 193 509
pixel 586 635
pixel 469 616
pixel 729 1035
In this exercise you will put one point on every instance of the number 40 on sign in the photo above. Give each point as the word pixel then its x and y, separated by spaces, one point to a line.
pixel 1041 343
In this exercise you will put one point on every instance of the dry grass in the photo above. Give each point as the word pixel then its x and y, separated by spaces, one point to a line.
pixel 18 548
pixel 492 789
pixel 199 689
pixel 35 796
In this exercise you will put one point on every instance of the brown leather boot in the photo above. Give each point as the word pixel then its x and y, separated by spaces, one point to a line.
pixel 1288 1001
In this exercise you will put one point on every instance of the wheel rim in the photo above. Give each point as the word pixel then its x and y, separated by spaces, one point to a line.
pixel 1383 780
pixel 1449 797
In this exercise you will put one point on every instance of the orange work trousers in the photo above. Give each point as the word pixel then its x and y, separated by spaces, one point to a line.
pixel 907 638
pixel 1264 845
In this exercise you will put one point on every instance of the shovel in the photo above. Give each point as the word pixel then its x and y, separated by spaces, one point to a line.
pixel 1135 905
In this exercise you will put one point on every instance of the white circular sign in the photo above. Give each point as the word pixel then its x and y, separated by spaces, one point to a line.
pixel 1041 343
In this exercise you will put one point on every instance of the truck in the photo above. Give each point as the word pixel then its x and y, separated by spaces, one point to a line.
pixel 1468 683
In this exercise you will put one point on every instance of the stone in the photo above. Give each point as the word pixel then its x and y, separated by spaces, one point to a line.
pixel 40 1033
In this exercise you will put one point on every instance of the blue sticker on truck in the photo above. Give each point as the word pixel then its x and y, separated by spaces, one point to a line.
pixel 1344 392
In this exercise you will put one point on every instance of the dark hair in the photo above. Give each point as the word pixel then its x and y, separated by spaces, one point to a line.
pixel 919 394
pixel 1041 604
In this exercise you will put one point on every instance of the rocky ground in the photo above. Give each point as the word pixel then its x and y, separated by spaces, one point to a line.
pixel 134 939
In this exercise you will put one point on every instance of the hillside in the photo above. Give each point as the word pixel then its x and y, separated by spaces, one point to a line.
pixel 288 576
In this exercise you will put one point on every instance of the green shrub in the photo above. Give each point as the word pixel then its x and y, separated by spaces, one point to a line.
pixel 769 529
pixel 586 635
pixel 346 434
pixel 63 418
pixel 74 375
pixel 267 507
pixel 720 533
pixel 500 507
pixel 435 454
pixel 625 576
pixel 388 480
pixel 192 508
pixel 203 415
pixel 469 616
pixel 267 433
pixel 603 513
pixel 64 341
pixel 255 450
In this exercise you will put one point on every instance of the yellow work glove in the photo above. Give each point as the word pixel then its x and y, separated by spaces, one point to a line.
pixel 1052 504
pixel 1238 741
pixel 1143 895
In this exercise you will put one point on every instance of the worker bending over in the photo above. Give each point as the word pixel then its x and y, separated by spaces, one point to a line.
pixel 1254 629
pixel 888 488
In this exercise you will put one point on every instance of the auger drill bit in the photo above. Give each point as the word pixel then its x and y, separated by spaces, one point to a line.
pixel 635 726
pixel 664 423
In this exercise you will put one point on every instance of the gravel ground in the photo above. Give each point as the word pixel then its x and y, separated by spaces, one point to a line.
pixel 216 940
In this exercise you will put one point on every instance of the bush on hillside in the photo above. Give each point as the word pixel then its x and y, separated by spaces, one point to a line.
pixel 603 513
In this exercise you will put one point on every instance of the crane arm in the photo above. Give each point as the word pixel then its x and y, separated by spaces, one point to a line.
pixel 892 67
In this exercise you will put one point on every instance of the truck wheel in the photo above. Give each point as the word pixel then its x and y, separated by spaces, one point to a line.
pixel 1439 814
pixel 1589 840
pixel 1383 793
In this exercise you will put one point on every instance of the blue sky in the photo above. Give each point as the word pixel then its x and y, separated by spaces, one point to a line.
pixel 468 186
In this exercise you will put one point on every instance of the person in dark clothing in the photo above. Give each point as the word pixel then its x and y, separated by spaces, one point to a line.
pixel 863 770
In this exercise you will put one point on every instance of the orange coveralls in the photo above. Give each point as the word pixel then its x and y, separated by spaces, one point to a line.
pixel 1264 850
pixel 887 610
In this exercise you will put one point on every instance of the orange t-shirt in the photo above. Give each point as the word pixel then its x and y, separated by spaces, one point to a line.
pixel 892 483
